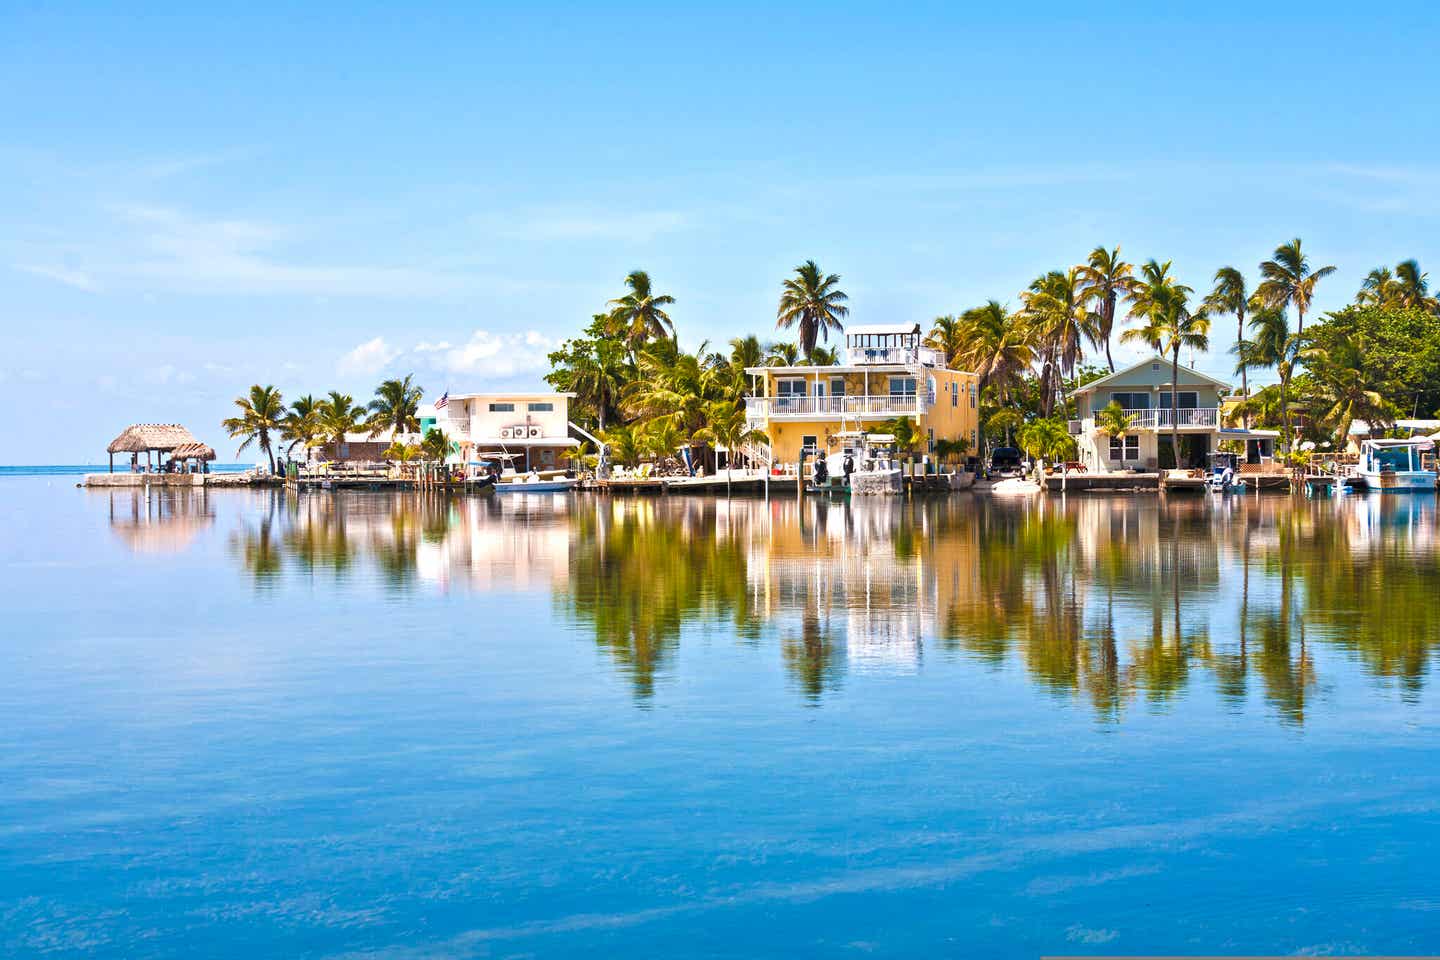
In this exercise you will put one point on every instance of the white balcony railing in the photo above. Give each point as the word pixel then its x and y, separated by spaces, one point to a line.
pixel 1150 419
pixel 901 356
pixel 897 405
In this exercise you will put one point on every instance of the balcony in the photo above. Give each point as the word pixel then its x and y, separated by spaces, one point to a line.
pixel 824 408
pixel 1197 418
pixel 894 356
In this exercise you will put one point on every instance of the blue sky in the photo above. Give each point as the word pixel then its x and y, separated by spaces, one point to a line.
pixel 201 198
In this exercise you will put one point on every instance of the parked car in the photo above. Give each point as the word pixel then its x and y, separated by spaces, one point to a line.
pixel 1005 462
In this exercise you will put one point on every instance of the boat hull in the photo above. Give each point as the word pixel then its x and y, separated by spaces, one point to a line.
pixel 1398 482
pixel 537 486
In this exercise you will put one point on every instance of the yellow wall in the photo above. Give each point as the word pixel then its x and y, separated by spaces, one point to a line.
pixel 949 419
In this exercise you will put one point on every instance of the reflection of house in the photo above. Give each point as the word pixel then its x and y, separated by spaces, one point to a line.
pixel 888 374
pixel 1143 391
pixel 533 427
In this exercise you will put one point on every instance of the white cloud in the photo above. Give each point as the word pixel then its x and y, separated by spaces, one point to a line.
pixel 372 356
pixel 484 354
pixel 78 279
pixel 491 354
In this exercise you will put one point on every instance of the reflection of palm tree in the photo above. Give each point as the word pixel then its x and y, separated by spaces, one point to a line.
pixel 812 658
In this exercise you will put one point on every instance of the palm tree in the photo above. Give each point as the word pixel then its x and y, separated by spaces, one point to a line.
pixel 340 415
pixel 1412 288
pixel 261 413
pixel 908 438
pixel 1171 326
pixel 947 335
pixel 662 437
pixel 1230 296
pixel 639 316
pixel 1378 290
pixel 396 407
pixel 947 451
pixel 1047 438
pixel 301 424
pixel 622 444
pixel 1055 305
pixel 814 302
pixel 783 354
pixel 1112 420
pixel 823 357
pixel 1289 281
pixel 598 377
pixel 436 444
pixel 996 345
pixel 729 427
pixel 1104 277
pixel 401 452
pixel 1272 345
pixel 1341 389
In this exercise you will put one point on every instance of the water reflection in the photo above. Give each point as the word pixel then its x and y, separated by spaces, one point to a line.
pixel 162 520
pixel 1113 603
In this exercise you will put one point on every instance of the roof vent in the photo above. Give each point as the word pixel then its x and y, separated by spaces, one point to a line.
pixel 1154 366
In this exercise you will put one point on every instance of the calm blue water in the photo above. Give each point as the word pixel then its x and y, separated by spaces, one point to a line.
pixel 237 725
pixel 78 469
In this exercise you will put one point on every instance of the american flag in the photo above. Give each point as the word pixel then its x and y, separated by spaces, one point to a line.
pixel 444 399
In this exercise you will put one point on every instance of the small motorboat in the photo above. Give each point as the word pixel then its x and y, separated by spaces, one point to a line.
pixel 1015 487
pixel 1224 475
pixel 532 483
pixel 1395 466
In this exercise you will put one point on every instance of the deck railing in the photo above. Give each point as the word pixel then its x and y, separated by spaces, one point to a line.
pixel 1153 419
pixel 911 405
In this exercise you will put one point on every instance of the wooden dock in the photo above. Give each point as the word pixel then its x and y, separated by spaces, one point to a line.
pixel 1103 483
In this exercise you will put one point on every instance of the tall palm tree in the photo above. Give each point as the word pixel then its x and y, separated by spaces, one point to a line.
pixel 1288 280
pixel 1412 287
pixel 598 377
pixel 1055 305
pixel 745 352
pixel 339 415
pixel 814 302
pixel 261 413
pixel 1342 391
pixel 1272 345
pixel 396 407
pixel 996 345
pixel 1378 290
pixel 301 424
pixel 1171 326
pixel 639 315
pixel 1104 278
pixel 1230 296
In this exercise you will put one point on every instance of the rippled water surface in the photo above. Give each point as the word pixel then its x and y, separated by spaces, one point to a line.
pixel 365 725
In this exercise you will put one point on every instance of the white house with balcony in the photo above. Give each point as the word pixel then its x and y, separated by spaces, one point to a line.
pixel 887 373
pixel 533 428
pixel 1144 392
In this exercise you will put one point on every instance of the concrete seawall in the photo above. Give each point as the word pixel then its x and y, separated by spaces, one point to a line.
pixel 177 480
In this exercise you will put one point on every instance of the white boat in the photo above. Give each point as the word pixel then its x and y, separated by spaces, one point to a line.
pixel 1395 466
pixel 1014 487
pixel 1224 475
pixel 531 483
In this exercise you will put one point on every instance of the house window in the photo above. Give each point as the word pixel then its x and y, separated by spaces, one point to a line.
pixel 1132 401
pixel 789 388
pixel 931 434
pixel 810 445
pixel 1125 448
pixel 954 394
pixel 502 408
pixel 972 396
pixel 1189 399
pixel 902 386
pixel 540 407
pixel 837 386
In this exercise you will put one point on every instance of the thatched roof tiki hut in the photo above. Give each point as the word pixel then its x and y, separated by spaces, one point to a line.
pixel 159 438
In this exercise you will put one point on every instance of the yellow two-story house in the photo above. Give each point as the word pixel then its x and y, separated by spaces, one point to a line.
pixel 887 373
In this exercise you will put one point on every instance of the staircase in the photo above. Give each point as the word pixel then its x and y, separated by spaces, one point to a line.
pixel 757 453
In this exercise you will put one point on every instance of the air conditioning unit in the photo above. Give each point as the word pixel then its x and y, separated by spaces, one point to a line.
pixel 504 433
pixel 535 433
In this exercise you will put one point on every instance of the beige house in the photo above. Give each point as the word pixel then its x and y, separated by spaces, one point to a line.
pixel 1143 390
pixel 534 428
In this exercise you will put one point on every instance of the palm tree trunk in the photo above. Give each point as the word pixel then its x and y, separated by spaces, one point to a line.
pixel 1244 378
pixel 1285 411
pixel 1175 404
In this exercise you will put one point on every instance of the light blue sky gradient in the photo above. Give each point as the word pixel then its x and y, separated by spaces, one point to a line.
pixel 201 198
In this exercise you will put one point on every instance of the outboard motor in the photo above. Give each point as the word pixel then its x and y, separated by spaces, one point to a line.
pixel 849 466
pixel 822 471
